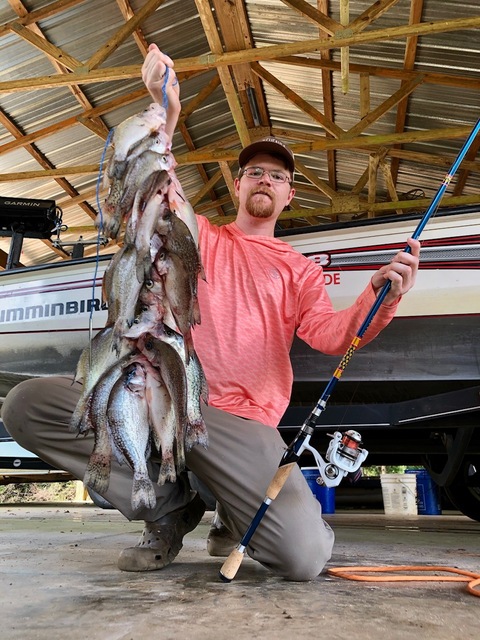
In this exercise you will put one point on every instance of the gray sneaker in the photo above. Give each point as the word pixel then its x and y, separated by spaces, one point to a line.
pixel 220 541
pixel 161 541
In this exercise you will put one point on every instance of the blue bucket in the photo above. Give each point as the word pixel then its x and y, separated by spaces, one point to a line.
pixel 428 494
pixel 325 495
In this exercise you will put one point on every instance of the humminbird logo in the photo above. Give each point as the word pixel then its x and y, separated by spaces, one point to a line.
pixel 37 311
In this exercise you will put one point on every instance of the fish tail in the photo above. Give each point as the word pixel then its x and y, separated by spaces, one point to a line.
pixel 196 434
pixel 189 348
pixel 167 470
pixel 97 473
pixel 143 493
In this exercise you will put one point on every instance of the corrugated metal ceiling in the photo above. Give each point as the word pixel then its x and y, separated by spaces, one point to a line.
pixel 49 115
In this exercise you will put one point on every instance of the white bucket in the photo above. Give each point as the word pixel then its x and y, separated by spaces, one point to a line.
pixel 399 491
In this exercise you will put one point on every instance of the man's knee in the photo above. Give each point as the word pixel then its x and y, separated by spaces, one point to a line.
pixel 16 407
pixel 305 562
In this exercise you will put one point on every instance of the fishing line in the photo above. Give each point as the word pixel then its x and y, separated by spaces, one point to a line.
pixel 99 231
pixel 164 88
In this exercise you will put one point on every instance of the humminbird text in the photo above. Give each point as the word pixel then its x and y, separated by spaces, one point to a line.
pixel 34 312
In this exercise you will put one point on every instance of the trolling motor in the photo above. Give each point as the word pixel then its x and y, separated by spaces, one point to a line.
pixel 345 456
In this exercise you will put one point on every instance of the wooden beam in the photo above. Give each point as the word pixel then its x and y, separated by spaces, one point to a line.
pixel 46 47
pixel 327 93
pixel 127 13
pixel 212 154
pixel 207 187
pixel 443 79
pixel 271 52
pixel 231 17
pixel 319 18
pixel 203 174
pixel 299 102
pixel 383 108
pixel 371 14
pixel 373 161
pixel 75 90
pixel 69 122
pixel 40 14
pixel 344 51
pixel 416 11
pixel 225 168
pixel 465 171
pixel 59 172
pixel 323 186
pixel 361 182
pixel 201 96
pixel 121 35
pixel 364 94
pixel 210 28
pixel 431 159
pixel 392 192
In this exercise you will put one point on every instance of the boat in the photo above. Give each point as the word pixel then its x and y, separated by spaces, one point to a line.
pixel 422 373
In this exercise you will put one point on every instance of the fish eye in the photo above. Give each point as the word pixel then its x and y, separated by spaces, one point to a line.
pixel 149 284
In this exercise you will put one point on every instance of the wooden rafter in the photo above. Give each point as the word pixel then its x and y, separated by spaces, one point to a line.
pixel 240 71
pixel 416 11
pixel 215 45
pixel 120 36
pixel 270 52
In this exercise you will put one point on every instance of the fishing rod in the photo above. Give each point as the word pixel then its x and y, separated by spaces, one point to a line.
pixel 345 453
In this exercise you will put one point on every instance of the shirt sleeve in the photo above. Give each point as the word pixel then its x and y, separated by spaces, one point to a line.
pixel 330 331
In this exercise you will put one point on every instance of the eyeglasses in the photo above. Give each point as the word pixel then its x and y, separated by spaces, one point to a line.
pixel 255 173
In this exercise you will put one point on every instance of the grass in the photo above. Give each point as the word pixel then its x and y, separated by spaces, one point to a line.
pixel 38 492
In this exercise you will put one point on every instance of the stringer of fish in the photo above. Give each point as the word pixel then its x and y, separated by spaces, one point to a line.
pixel 143 383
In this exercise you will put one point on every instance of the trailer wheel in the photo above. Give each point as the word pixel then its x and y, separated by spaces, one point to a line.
pixel 464 492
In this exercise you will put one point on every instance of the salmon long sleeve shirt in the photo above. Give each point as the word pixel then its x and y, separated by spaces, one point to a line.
pixel 258 293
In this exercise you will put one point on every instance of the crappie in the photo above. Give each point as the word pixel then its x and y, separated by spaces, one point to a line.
pixel 121 289
pixel 137 175
pixel 132 132
pixel 94 361
pixel 97 473
pixel 127 415
pixel 169 364
pixel 179 204
pixel 162 419
pixel 197 390
pixel 182 301
pixel 147 207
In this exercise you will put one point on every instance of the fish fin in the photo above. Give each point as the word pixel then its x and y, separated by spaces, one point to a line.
pixel 167 469
pixel 189 348
pixel 196 311
pixel 97 473
pixel 196 433
pixel 143 493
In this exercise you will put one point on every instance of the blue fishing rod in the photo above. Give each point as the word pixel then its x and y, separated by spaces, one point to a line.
pixel 345 453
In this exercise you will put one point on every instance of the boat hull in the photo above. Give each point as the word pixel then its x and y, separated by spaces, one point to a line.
pixel 48 314
pixel 435 335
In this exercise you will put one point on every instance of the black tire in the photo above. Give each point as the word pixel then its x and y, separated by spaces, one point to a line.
pixel 98 501
pixel 464 492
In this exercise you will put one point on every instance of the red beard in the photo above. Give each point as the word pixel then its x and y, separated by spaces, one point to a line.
pixel 261 208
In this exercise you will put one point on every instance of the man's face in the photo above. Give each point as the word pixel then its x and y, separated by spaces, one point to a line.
pixel 262 197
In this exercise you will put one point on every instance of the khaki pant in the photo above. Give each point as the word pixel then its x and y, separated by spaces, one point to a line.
pixel 241 460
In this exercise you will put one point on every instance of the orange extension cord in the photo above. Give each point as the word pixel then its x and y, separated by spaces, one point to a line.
pixel 351 573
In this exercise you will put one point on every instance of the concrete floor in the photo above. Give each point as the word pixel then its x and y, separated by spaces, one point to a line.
pixel 59 581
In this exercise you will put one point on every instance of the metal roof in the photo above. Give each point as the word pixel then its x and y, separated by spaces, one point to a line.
pixel 412 98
